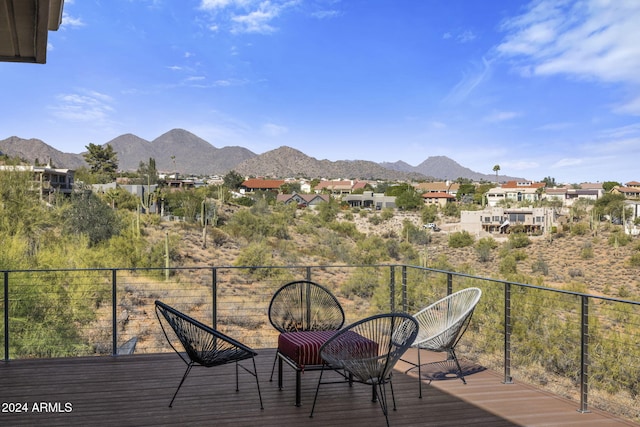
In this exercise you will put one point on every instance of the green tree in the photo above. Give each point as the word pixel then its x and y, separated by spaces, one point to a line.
pixel 102 160
pixel 549 182
pixel 409 200
pixel 148 172
pixel 429 213
pixel 88 215
pixel 233 180
pixel 608 185
pixel 496 169
pixel 611 205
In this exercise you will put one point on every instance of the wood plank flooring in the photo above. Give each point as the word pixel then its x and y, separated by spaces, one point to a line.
pixel 135 390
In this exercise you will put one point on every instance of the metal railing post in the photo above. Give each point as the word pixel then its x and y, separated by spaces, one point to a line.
pixel 404 288
pixel 392 288
pixel 449 283
pixel 308 273
pixel 114 313
pixel 6 316
pixel 507 334
pixel 584 355
pixel 214 297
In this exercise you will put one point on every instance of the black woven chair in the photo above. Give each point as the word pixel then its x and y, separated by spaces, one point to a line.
pixel 204 346
pixel 302 306
pixel 366 352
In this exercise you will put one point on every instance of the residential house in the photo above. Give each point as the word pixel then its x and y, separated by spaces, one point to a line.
pixel 628 192
pixel 569 195
pixel 501 220
pixel 370 200
pixel 302 200
pixel 516 191
pixel 447 187
pixel 252 185
pixel 180 184
pixel 438 198
pixel 339 187
pixel 49 180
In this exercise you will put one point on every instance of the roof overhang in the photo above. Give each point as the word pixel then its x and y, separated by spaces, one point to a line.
pixel 24 27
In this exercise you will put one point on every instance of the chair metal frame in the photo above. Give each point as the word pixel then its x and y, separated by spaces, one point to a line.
pixel 204 346
pixel 442 325
pixel 302 305
pixel 366 351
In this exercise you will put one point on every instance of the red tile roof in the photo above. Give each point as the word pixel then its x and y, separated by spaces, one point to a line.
pixel 266 184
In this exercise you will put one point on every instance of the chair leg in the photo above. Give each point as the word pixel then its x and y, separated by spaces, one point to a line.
pixel 317 390
pixel 382 399
pixel 189 366
pixel 257 381
pixel 273 368
pixel 237 385
pixel 419 376
pixel 455 358
pixel 393 396
pixel 298 386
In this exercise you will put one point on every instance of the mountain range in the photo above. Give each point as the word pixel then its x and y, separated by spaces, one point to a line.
pixel 181 151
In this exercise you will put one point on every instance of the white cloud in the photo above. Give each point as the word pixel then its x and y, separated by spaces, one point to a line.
pixel 324 14
pixel 620 132
pixel 463 36
pixel 520 165
pixel 501 116
pixel 274 130
pixel 83 107
pixel 437 125
pixel 69 21
pixel 591 39
pixel 567 162
pixel 249 16
pixel 469 82
pixel 631 107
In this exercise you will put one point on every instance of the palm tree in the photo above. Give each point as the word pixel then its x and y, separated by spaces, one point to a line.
pixel 496 168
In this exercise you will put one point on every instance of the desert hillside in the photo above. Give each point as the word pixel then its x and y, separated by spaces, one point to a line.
pixel 569 260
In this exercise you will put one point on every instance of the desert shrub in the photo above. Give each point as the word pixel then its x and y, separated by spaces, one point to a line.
pixel 587 251
pixel 387 214
pixel 575 272
pixel 348 216
pixel 371 250
pixel 484 253
pixel 345 228
pixel 634 261
pixel 519 240
pixel 623 292
pixel 519 255
pixel 508 265
pixel 256 253
pixel 618 238
pixel 484 247
pixel 540 266
pixel 375 219
pixel 429 214
pixel 414 234
pixel 580 229
pixel 460 239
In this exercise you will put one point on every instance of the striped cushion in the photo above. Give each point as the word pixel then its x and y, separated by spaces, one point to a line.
pixel 303 348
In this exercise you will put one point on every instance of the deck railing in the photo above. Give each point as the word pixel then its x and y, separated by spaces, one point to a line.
pixel 579 345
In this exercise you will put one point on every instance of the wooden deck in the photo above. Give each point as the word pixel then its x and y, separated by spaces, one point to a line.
pixel 135 391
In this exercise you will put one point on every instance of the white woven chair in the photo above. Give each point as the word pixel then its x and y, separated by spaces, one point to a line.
pixel 442 324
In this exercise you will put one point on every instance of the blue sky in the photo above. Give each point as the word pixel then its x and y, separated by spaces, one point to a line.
pixel 541 88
